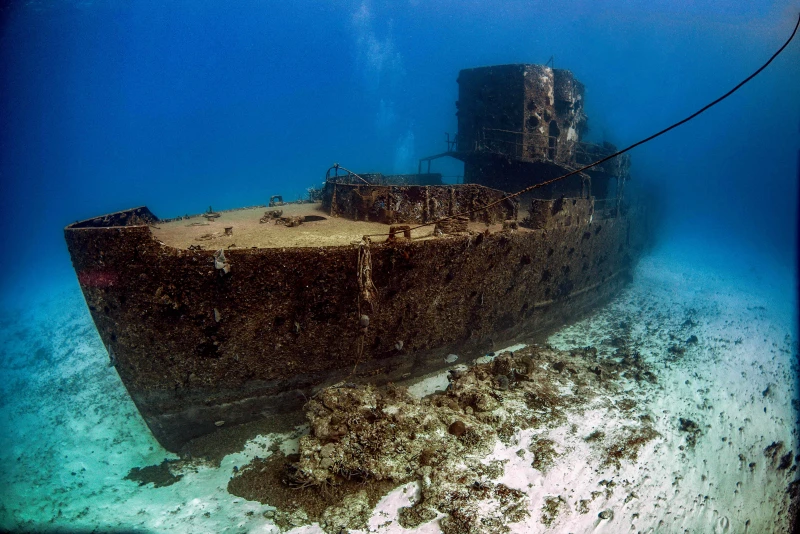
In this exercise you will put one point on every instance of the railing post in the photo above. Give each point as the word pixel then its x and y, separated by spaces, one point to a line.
pixel 334 211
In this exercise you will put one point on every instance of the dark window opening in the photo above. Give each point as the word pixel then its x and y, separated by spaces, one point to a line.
pixel 553 141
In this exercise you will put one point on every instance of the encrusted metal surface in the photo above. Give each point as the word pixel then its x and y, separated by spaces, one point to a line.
pixel 224 335
pixel 195 346
pixel 520 111
pixel 391 204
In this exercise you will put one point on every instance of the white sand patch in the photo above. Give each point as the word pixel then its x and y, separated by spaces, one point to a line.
pixel 489 357
pixel 436 382
pixel 429 385
pixel 384 519
pixel 73 434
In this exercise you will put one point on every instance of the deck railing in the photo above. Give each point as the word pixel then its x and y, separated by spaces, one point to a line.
pixel 549 148
pixel 520 144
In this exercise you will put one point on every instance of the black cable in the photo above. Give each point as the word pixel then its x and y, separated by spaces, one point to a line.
pixel 631 147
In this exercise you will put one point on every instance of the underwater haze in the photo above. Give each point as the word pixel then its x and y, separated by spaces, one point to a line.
pixel 185 104
pixel 182 105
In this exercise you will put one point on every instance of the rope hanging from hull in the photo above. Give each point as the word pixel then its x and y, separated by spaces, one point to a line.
pixel 366 294
pixel 366 289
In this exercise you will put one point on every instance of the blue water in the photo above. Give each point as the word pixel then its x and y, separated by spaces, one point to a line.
pixel 182 104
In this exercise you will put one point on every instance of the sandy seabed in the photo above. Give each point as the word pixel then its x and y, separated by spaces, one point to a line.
pixel 720 337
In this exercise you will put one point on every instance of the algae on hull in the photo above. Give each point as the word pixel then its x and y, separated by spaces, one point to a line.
pixel 249 327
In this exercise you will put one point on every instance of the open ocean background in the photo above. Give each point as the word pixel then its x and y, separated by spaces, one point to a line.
pixel 184 104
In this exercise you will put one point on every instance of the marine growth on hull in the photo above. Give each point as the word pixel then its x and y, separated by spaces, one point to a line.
pixel 376 276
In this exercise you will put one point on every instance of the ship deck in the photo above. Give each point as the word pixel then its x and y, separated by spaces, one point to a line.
pixel 248 232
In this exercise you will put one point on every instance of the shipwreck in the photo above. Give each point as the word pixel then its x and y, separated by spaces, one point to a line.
pixel 226 317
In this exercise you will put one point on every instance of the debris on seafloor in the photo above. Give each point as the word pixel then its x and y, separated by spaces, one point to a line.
pixel 290 221
pixel 366 440
pixel 211 214
pixel 271 215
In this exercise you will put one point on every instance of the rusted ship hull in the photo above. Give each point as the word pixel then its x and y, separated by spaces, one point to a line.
pixel 205 333
pixel 195 348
